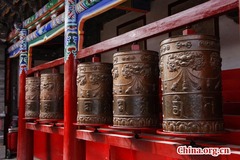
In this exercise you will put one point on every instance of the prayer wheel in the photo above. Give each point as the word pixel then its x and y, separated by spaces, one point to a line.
pixel 32 97
pixel 135 89
pixel 94 93
pixel 51 96
pixel 190 69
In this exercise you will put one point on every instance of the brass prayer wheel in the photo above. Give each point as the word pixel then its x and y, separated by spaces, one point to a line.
pixel 51 96
pixel 94 93
pixel 190 68
pixel 32 89
pixel 135 89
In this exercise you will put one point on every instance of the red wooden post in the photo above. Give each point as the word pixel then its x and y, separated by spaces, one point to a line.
pixel 25 137
pixel 70 96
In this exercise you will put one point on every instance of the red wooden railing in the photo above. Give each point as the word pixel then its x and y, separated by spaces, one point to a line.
pixel 116 144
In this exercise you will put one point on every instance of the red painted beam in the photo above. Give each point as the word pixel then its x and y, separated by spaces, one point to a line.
pixel 154 144
pixel 47 65
pixel 205 10
pixel 45 128
pixel 129 142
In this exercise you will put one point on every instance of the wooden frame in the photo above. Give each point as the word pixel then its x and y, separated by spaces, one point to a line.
pixel 131 25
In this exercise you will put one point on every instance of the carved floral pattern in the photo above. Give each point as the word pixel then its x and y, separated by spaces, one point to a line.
pixel 81 80
pixel 193 126
pixel 135 122
pixel 194 60
pixel 94 120
pixel 130 70
pixel 115 73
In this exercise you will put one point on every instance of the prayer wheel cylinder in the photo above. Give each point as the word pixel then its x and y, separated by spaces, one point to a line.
pixel 32 97
pixel 51 96
pixel 94 93
pixel 190 69
pixel 135 89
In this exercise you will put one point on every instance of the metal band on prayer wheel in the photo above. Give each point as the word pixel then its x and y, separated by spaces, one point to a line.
pixel 94 82
pixel 32 89
pixel 190 69
pixel 135 89
pixel 51 96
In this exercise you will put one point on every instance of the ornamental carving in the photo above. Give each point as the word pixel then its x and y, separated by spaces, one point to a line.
pixel 183 44
pixel 191 84
pixel 193 126
pixel 164 48
pixel 101 120
pixel 177 106
pixel 94 93
pixel 81 80
pixel 50 115
pixel 115 73
pixel 51 96
pixel 135 122
pixel 121 105
pixel 148 58
pixel 130 70
pixel 209 44
pixel 32 97
pixel 194 60
pixel 96 79
pixel 135 89
pixel 128 58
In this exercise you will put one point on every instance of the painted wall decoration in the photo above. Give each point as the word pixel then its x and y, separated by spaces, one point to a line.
pixel 43 10
pixel 85 4
pixel 47 27
pixel 70 38
pixel 14 46
pixel 23 58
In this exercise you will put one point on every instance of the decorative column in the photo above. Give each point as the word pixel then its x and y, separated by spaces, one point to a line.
pixel 25 139
pixel 70 98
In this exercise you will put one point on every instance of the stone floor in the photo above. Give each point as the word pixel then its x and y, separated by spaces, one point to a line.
pixel 3 152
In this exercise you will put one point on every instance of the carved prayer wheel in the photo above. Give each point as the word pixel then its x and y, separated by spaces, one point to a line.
pixel 94 84
pixel 190 69
pixel 32 97
pixel 135 89
pixel 51 96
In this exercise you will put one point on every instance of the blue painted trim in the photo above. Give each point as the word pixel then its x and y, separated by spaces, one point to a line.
pixel 14 53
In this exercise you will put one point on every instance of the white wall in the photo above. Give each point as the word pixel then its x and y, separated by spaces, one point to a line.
pixel 229 34
pixel 159 9
pixel 230 43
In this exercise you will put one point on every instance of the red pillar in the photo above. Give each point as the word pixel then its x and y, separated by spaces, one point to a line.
pixel 70 97
pixel 25 137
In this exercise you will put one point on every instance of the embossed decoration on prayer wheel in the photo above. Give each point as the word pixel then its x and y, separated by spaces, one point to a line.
pixel 94 93
pixel 135 89
pixel 51 96
pixel 32 89
pixel 190 68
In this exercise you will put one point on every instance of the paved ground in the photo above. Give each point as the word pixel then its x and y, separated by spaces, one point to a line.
pixel 2 151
